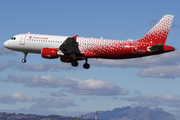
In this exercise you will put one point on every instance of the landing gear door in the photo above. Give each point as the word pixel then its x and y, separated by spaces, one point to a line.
pixel 22 40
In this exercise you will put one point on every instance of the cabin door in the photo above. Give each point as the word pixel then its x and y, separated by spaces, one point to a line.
pixel 134 49
pixel 22 40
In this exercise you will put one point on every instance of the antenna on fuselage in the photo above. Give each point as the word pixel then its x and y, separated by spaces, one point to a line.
pixel 29 32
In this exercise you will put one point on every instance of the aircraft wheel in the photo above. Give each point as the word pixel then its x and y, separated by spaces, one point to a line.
pixel 86 66
pixel 74 63
pixel 23 60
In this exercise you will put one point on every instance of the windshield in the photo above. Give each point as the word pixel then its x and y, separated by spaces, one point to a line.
pixel 13 38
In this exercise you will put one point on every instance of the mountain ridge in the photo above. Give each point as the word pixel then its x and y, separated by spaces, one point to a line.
pixel 132 113
pixel 124 113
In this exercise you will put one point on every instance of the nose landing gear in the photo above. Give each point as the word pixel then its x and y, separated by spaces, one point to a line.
pixel 24 60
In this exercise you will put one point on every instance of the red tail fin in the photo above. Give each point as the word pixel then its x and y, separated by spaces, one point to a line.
pixel 159 32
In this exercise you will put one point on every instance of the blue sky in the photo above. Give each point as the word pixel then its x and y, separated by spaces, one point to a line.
pixel 44 86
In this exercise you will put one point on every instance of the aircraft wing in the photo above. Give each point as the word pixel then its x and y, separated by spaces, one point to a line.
pixel 70 45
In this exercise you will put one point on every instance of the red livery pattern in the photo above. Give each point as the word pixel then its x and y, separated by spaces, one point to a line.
pixel 159 32
pixel 119 49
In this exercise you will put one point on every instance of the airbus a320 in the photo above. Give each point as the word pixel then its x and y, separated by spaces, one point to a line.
pixel 73 49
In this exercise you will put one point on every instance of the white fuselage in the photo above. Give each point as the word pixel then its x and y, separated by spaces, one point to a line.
pixel 33 43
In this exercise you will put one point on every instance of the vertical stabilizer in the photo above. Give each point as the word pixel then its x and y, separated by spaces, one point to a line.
pixel 159 32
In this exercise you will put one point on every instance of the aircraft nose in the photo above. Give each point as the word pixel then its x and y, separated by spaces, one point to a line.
pixel 6 44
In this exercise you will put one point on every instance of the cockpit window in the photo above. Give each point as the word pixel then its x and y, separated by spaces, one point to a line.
pixel 13 38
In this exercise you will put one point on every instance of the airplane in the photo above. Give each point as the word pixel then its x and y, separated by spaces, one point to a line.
pixel 73 49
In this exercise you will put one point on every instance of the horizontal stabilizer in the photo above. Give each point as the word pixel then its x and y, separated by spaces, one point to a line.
pixel 156 47
pixel 160 47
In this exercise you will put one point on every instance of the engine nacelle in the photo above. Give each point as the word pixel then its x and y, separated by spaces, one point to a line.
pixel 51 53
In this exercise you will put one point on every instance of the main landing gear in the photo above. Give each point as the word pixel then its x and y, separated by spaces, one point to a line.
pixel 75 64
pixel 24 60
pixel 86 65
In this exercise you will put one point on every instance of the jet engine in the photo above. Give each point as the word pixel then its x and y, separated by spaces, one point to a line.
pixel 51 53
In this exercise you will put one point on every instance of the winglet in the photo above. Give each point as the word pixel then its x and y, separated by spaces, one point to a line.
pixel 75 37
